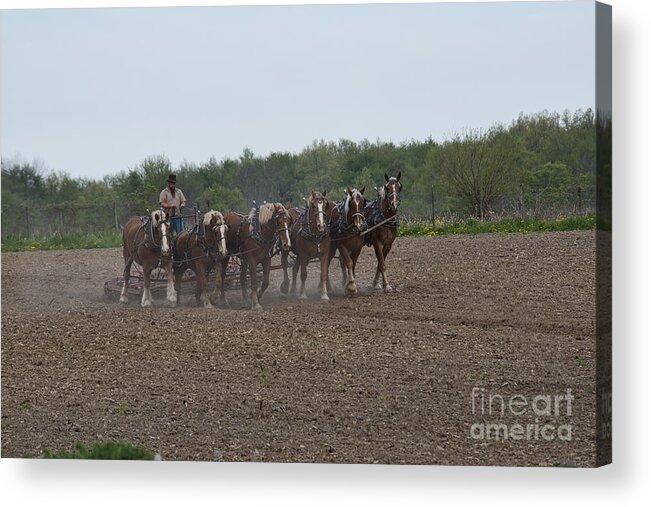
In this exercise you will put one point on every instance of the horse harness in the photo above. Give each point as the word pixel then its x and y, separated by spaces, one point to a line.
pixel 377 217
pixel 149 241
pixel 304 231
pixel 209 250
pixel 255 232
pixel 342 226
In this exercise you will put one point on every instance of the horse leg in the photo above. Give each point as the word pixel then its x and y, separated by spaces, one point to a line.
pixel 331 254
pixel 127 274
pixel 146 294
pixel 197 286
pixel 294 273
pixel 255 303
pixel 172 297
pixel 178 274
pixel 331 292
pixel 325 262
pixel 266 269
pixel 244 266
pixel 385 253
pixel 202 283
pixel 342 266
pixel 219 282
pixel 380 271
pixel 303 260
pixel 353 257
pixel 284 287
pixel 378 255
pixel 223 267
pixel 348 276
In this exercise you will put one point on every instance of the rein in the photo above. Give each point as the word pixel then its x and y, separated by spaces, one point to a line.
pixel 383 222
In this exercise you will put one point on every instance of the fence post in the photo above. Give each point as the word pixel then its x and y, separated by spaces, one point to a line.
pixel 115 216
pixel 432 197
pixel 27 220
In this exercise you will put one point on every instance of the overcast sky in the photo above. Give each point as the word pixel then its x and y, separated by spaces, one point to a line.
pixel 94 91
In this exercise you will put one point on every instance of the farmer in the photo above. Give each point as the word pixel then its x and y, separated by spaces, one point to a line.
pixel 172 200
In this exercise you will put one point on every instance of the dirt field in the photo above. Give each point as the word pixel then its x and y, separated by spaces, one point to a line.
pixel 378 378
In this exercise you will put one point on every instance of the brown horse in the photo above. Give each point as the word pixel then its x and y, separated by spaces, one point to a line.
pixel 146 241
pixel 254 238
pixel 201 250
pixel 346 223
pixel 384 210
pixel 310 238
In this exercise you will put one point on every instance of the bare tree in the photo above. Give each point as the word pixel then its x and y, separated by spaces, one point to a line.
pixel 477 167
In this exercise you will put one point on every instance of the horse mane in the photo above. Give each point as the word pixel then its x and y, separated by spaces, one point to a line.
pixel 266 212
pixel 348 198
pixel 382 192
pixel 154 221
pixel 308 202
pixel 281 208
pixel 209 216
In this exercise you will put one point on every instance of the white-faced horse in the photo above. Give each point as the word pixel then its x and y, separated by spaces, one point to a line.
pixel 201 250
pixel 310 238
pixel 383 213
pixel 146 241
pixel 346 224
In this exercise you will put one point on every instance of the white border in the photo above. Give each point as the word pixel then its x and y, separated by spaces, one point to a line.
pixel 106 483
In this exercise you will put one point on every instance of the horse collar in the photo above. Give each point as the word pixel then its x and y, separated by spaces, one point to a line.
pixel 339 226
pixel 305 229
pixel 149 235
pixel 201 238
pixel 256 233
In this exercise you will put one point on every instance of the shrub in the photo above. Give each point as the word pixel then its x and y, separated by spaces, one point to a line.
pixel 472 226
pixel 102 450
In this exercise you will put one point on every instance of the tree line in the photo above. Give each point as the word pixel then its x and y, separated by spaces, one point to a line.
pixel 541 164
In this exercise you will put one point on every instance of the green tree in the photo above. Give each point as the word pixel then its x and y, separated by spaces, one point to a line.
pixel 222 199
pixel 550 183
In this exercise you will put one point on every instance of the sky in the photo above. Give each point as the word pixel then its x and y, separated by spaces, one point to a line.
pixel 94 91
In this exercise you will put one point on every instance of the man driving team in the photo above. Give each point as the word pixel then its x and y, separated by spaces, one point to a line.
pixel 172 200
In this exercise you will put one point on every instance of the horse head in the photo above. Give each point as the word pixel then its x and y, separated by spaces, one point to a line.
pixel 282 222
pixel 391 191
pixel 317 207
pixel 354 208
pixel 160 225
pixel 214 221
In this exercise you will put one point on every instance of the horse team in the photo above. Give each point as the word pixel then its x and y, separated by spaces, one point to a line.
pixel 319 230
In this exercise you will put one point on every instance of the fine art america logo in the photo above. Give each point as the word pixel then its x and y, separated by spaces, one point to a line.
pixel 518 417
